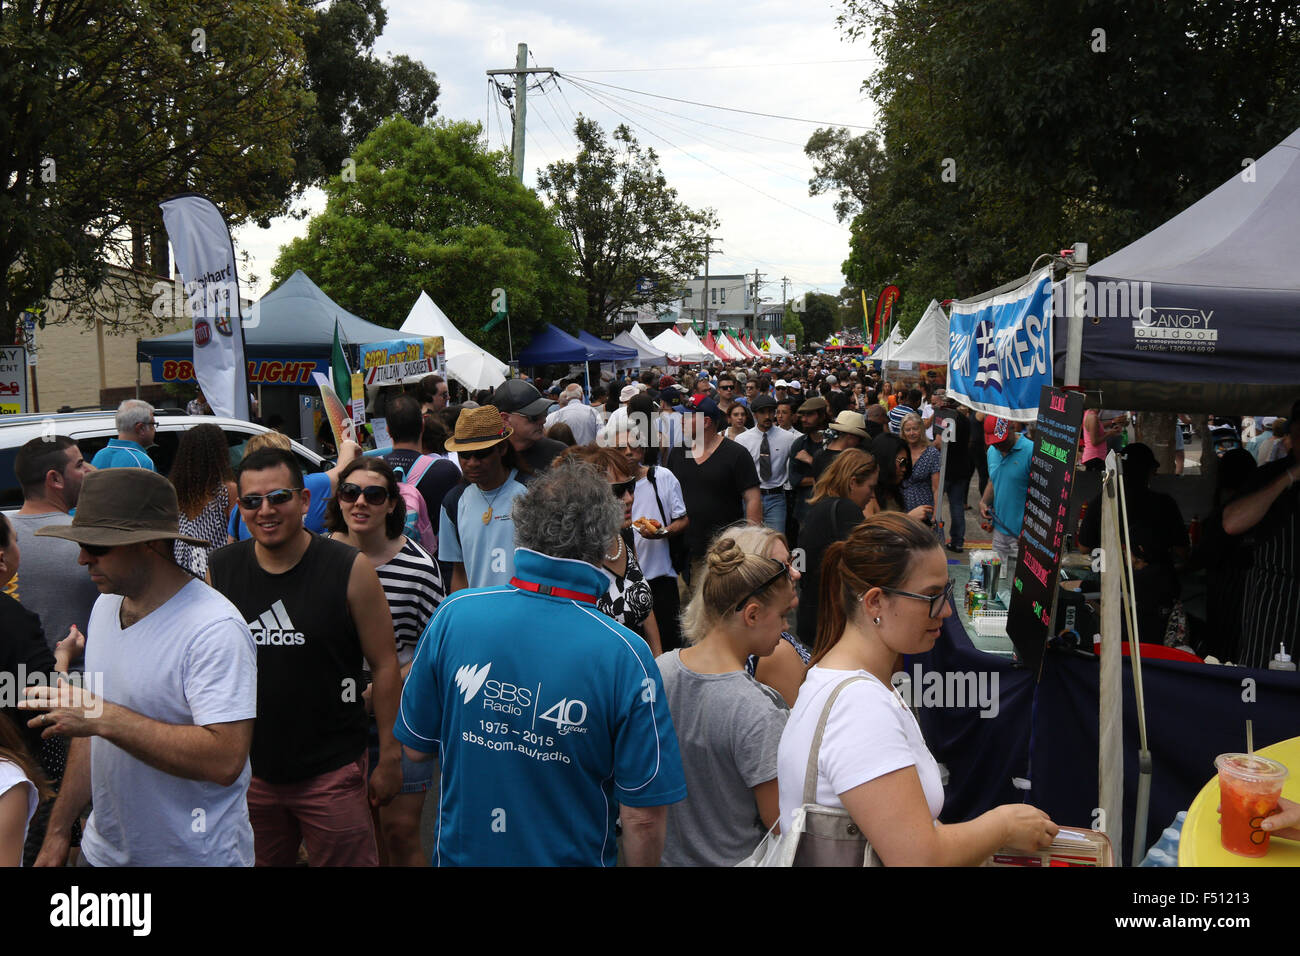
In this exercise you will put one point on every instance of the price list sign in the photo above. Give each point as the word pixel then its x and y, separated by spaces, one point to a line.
pixel 1051 480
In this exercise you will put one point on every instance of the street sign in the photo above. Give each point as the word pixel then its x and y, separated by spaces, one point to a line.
pixel 13 380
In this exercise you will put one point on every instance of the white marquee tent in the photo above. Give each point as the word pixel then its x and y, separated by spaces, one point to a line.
pixel 467 363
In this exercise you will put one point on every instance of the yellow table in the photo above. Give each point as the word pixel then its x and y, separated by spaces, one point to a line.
pixel 1199 845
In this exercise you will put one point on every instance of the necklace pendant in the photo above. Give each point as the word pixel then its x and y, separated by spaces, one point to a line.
pixel 487 515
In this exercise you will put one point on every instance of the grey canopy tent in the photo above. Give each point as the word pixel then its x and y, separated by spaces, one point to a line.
pixel 1202 314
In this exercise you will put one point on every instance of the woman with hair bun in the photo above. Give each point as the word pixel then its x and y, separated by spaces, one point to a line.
pixel 728 725
pixel 884 593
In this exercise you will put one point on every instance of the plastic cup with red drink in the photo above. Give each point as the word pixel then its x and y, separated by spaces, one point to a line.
pixel 1249 789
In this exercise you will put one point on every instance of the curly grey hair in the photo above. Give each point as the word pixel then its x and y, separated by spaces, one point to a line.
pixel 130 413
pixel 568 512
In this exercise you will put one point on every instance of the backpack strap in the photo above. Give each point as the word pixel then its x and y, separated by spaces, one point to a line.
pixel 651 476
pixel 419 467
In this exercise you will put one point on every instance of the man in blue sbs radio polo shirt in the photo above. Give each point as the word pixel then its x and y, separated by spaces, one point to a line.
pixel 136 429
pixel 1003 501
pixel 549 718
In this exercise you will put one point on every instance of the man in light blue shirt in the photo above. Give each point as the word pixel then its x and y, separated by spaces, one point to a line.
pixel 1009 454
pixel 136 428
pixel 476 532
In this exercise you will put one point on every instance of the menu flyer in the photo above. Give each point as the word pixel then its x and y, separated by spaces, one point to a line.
pixel 1051 480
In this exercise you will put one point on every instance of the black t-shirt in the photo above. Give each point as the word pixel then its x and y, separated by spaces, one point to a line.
pixel 828 521
pixel 1155 525
pixel 714 491
pixel 310 719
pixel 22 644
pixel 960 464
pixel 438 479
pixel 821 461
pixel 539 458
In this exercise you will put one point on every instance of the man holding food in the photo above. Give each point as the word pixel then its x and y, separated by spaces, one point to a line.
pixel 658 513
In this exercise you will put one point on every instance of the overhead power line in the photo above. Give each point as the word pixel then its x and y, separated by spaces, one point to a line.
pixel 713 106
pixel 736 66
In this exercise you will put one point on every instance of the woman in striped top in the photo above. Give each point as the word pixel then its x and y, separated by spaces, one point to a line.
pixel 368 513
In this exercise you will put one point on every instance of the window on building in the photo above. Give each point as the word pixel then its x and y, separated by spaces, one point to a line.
pixel 724 295
pixel 714 297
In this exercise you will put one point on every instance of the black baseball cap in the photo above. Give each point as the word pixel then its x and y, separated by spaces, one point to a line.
pixel 762 401
pixel 520 397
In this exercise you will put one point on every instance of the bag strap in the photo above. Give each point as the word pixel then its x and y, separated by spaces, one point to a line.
pixel 810 776
pixel 419 467
pixel 651 475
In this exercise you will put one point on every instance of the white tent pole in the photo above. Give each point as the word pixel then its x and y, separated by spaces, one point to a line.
pixel 1110 738
pixel 1139 699
pixel 1075 287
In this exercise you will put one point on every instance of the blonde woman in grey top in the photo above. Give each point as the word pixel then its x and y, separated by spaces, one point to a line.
pixel 728 725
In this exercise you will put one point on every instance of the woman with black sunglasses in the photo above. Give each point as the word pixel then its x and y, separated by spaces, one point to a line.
pixel 884 594
pixel 368 512
pixel 629 599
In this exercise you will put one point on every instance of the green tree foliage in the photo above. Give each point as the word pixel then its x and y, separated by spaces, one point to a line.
pixel 432 210
pixel 1008 129
pixel 818 316
pixel 624 222
pixel 791 324
pixel 107 107
pixel 354 90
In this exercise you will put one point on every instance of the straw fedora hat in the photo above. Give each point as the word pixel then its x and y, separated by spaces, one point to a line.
pixel 478 428
pixel 123 506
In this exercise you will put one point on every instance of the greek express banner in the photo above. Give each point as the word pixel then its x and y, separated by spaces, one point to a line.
pixel 390 363
pixel 1000 350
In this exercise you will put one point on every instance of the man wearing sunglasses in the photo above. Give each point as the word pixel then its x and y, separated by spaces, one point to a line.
pixel 183 657
pixel 316 610
pixel 476 532
pixel 523 411
pixel 136 429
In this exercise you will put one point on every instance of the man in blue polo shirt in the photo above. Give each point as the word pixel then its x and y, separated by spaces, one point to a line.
pixel 549 718
pixel 1003 502
pixel 135 432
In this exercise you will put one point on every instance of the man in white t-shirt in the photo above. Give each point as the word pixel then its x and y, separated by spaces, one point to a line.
pixel 657 495
pixel 162 729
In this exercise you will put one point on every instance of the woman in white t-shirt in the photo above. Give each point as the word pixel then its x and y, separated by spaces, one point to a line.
pixel 22 787
pixel 884 593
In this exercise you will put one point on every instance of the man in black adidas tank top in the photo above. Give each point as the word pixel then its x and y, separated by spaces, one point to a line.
pixel 316 609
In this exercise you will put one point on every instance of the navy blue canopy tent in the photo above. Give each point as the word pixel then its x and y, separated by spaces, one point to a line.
pixel 553 346
pixel 607 351
pixel 1203 313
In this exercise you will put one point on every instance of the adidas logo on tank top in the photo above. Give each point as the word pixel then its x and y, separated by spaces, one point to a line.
pixel 275 627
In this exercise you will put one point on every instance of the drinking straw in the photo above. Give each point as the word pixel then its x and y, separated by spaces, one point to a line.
pixel 1250 738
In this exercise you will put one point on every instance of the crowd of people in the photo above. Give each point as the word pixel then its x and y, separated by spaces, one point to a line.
pixel 607 627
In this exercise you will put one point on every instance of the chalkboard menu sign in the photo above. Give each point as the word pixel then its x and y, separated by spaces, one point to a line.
pixel 1051 480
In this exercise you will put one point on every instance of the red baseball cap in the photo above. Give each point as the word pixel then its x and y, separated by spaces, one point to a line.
pixel 995 430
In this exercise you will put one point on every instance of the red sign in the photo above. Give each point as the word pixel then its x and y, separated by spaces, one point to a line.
pixel 884 305
pixel 263 371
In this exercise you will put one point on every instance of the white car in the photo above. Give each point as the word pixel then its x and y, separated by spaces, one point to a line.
pixel 92 430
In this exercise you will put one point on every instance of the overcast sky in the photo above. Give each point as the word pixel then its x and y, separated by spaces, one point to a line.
pixel 782 57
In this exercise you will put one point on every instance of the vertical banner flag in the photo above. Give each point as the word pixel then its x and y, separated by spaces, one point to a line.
pixel 205 260
pixel 340 419
pixel 1000 350
pixel 866 318
pixel 884 306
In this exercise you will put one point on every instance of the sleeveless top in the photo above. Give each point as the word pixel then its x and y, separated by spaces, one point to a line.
pixel 310 715
pixel 628 600
pixel 209 524
pixel 1090 450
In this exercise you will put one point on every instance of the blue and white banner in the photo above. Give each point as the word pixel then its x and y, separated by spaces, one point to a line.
pixel 1000 350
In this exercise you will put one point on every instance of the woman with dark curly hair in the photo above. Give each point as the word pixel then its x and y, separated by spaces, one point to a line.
pixel 205 491
pixel 368 513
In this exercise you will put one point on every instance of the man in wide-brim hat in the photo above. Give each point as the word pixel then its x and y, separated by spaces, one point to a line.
pixel 475 530
pixel 183 656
